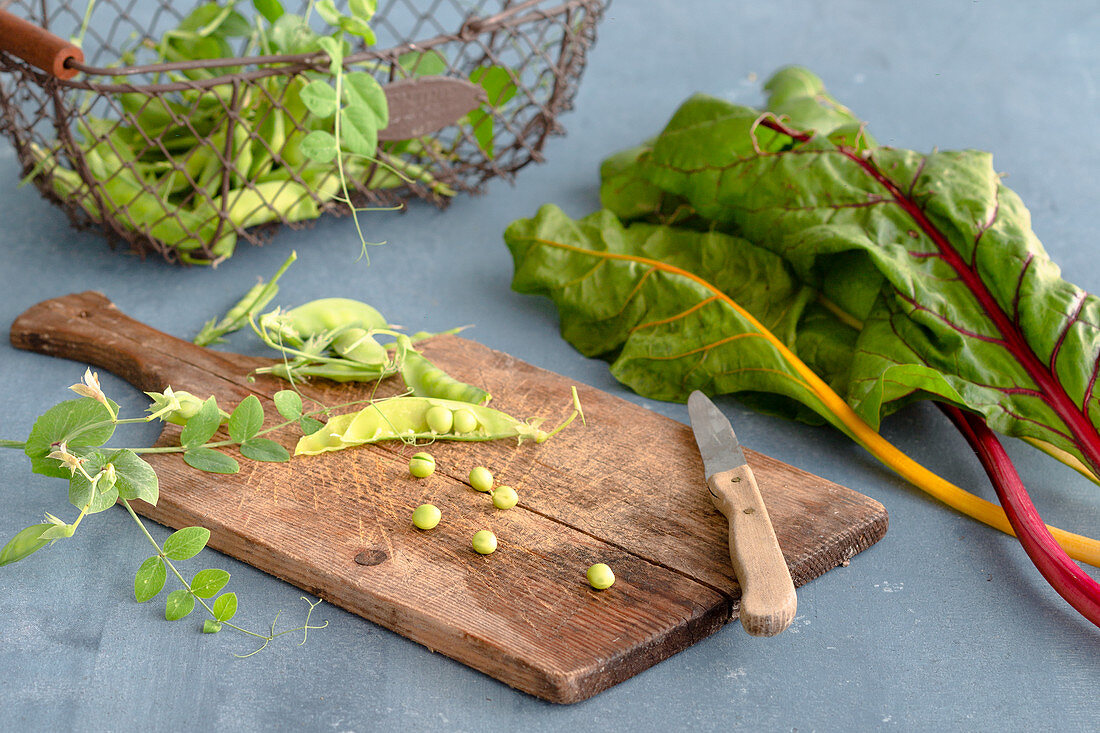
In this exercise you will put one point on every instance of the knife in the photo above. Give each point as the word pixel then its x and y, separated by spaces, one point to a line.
pixel 768 601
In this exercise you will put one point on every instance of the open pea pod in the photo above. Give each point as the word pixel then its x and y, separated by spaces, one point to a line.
pixel 406 419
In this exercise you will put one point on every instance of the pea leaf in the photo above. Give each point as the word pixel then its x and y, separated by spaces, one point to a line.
pixel 210 626
pixel 422 63
pixel 291 34
pixel 335 51
pixel 288 403
pixel 68 422
pixel 225 607
pixel 363 90
pixel 246 420
pixel 135 479
pixel 319 146
pixel 186 543
pixel 25 542
pixel 319 98
pixel 363 9
pixel 272 10
pixel 211 461
pixel 358 130
pixel 149 579
pixel 328 12
pixel 262 449
pixel 500 88
pixel 358 27
pixel 310 425
pixel 207 583
pixel 202 426
pixel 93 494
pixel 179 604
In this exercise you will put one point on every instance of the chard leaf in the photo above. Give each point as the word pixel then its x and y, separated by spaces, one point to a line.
pixel 646 296
pixel 925 278
pixel 961 302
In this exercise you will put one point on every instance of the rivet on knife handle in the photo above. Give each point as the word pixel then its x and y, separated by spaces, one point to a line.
pixel 768 600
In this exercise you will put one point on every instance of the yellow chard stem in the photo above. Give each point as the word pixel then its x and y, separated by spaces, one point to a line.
pixel 1079 547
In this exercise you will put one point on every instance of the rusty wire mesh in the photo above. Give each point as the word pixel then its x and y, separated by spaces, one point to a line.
pixel 225 170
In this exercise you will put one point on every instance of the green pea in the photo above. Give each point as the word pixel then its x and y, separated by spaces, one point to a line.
pixel 484 542
pixel 440 419
pixel 422 465
pixel 481 479
pixel 426 516
pixel 464 421
pixel 600 576
pixel 505 497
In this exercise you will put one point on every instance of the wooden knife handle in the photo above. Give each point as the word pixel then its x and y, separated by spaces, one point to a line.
pixel 768 600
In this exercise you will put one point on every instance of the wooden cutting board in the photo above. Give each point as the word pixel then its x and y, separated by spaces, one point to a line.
pixel 627 490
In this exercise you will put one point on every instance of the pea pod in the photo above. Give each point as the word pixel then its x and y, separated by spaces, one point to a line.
pixel 267 202
pixel 24 543
pixel 425 379
pixel 352 321
pixel 405 419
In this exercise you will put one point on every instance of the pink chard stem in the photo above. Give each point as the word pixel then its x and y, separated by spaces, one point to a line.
pixel 1064 575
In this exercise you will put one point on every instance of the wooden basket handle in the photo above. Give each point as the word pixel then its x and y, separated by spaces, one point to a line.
pixel 37 46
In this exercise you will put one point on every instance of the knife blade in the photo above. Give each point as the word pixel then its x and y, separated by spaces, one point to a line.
pixel 768 600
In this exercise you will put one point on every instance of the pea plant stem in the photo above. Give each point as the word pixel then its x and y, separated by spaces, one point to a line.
pixel 182 580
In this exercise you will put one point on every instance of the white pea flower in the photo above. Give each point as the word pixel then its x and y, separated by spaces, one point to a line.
pixel 70 461
pixel 89 387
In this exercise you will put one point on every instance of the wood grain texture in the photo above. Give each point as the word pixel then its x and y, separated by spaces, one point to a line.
pixel 627 490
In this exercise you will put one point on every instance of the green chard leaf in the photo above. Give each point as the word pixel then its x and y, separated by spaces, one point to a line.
pixel 644 297
pixel 930 280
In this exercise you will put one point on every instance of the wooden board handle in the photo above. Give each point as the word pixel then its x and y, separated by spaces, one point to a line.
pixel 37 46
pixel 88 327
pixel 768 600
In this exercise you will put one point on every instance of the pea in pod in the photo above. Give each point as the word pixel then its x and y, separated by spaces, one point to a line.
pixel 405 419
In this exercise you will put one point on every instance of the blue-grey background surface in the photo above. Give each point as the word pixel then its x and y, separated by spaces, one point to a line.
pixel 942 625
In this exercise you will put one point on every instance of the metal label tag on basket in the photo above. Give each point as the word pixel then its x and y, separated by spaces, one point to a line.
pixel 428 103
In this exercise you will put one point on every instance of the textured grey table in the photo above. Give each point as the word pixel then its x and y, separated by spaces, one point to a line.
pixel 942 625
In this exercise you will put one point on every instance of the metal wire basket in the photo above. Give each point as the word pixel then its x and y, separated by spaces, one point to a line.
pixel 187 158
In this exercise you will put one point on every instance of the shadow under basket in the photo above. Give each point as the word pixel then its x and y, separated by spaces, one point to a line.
pixel 187 156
